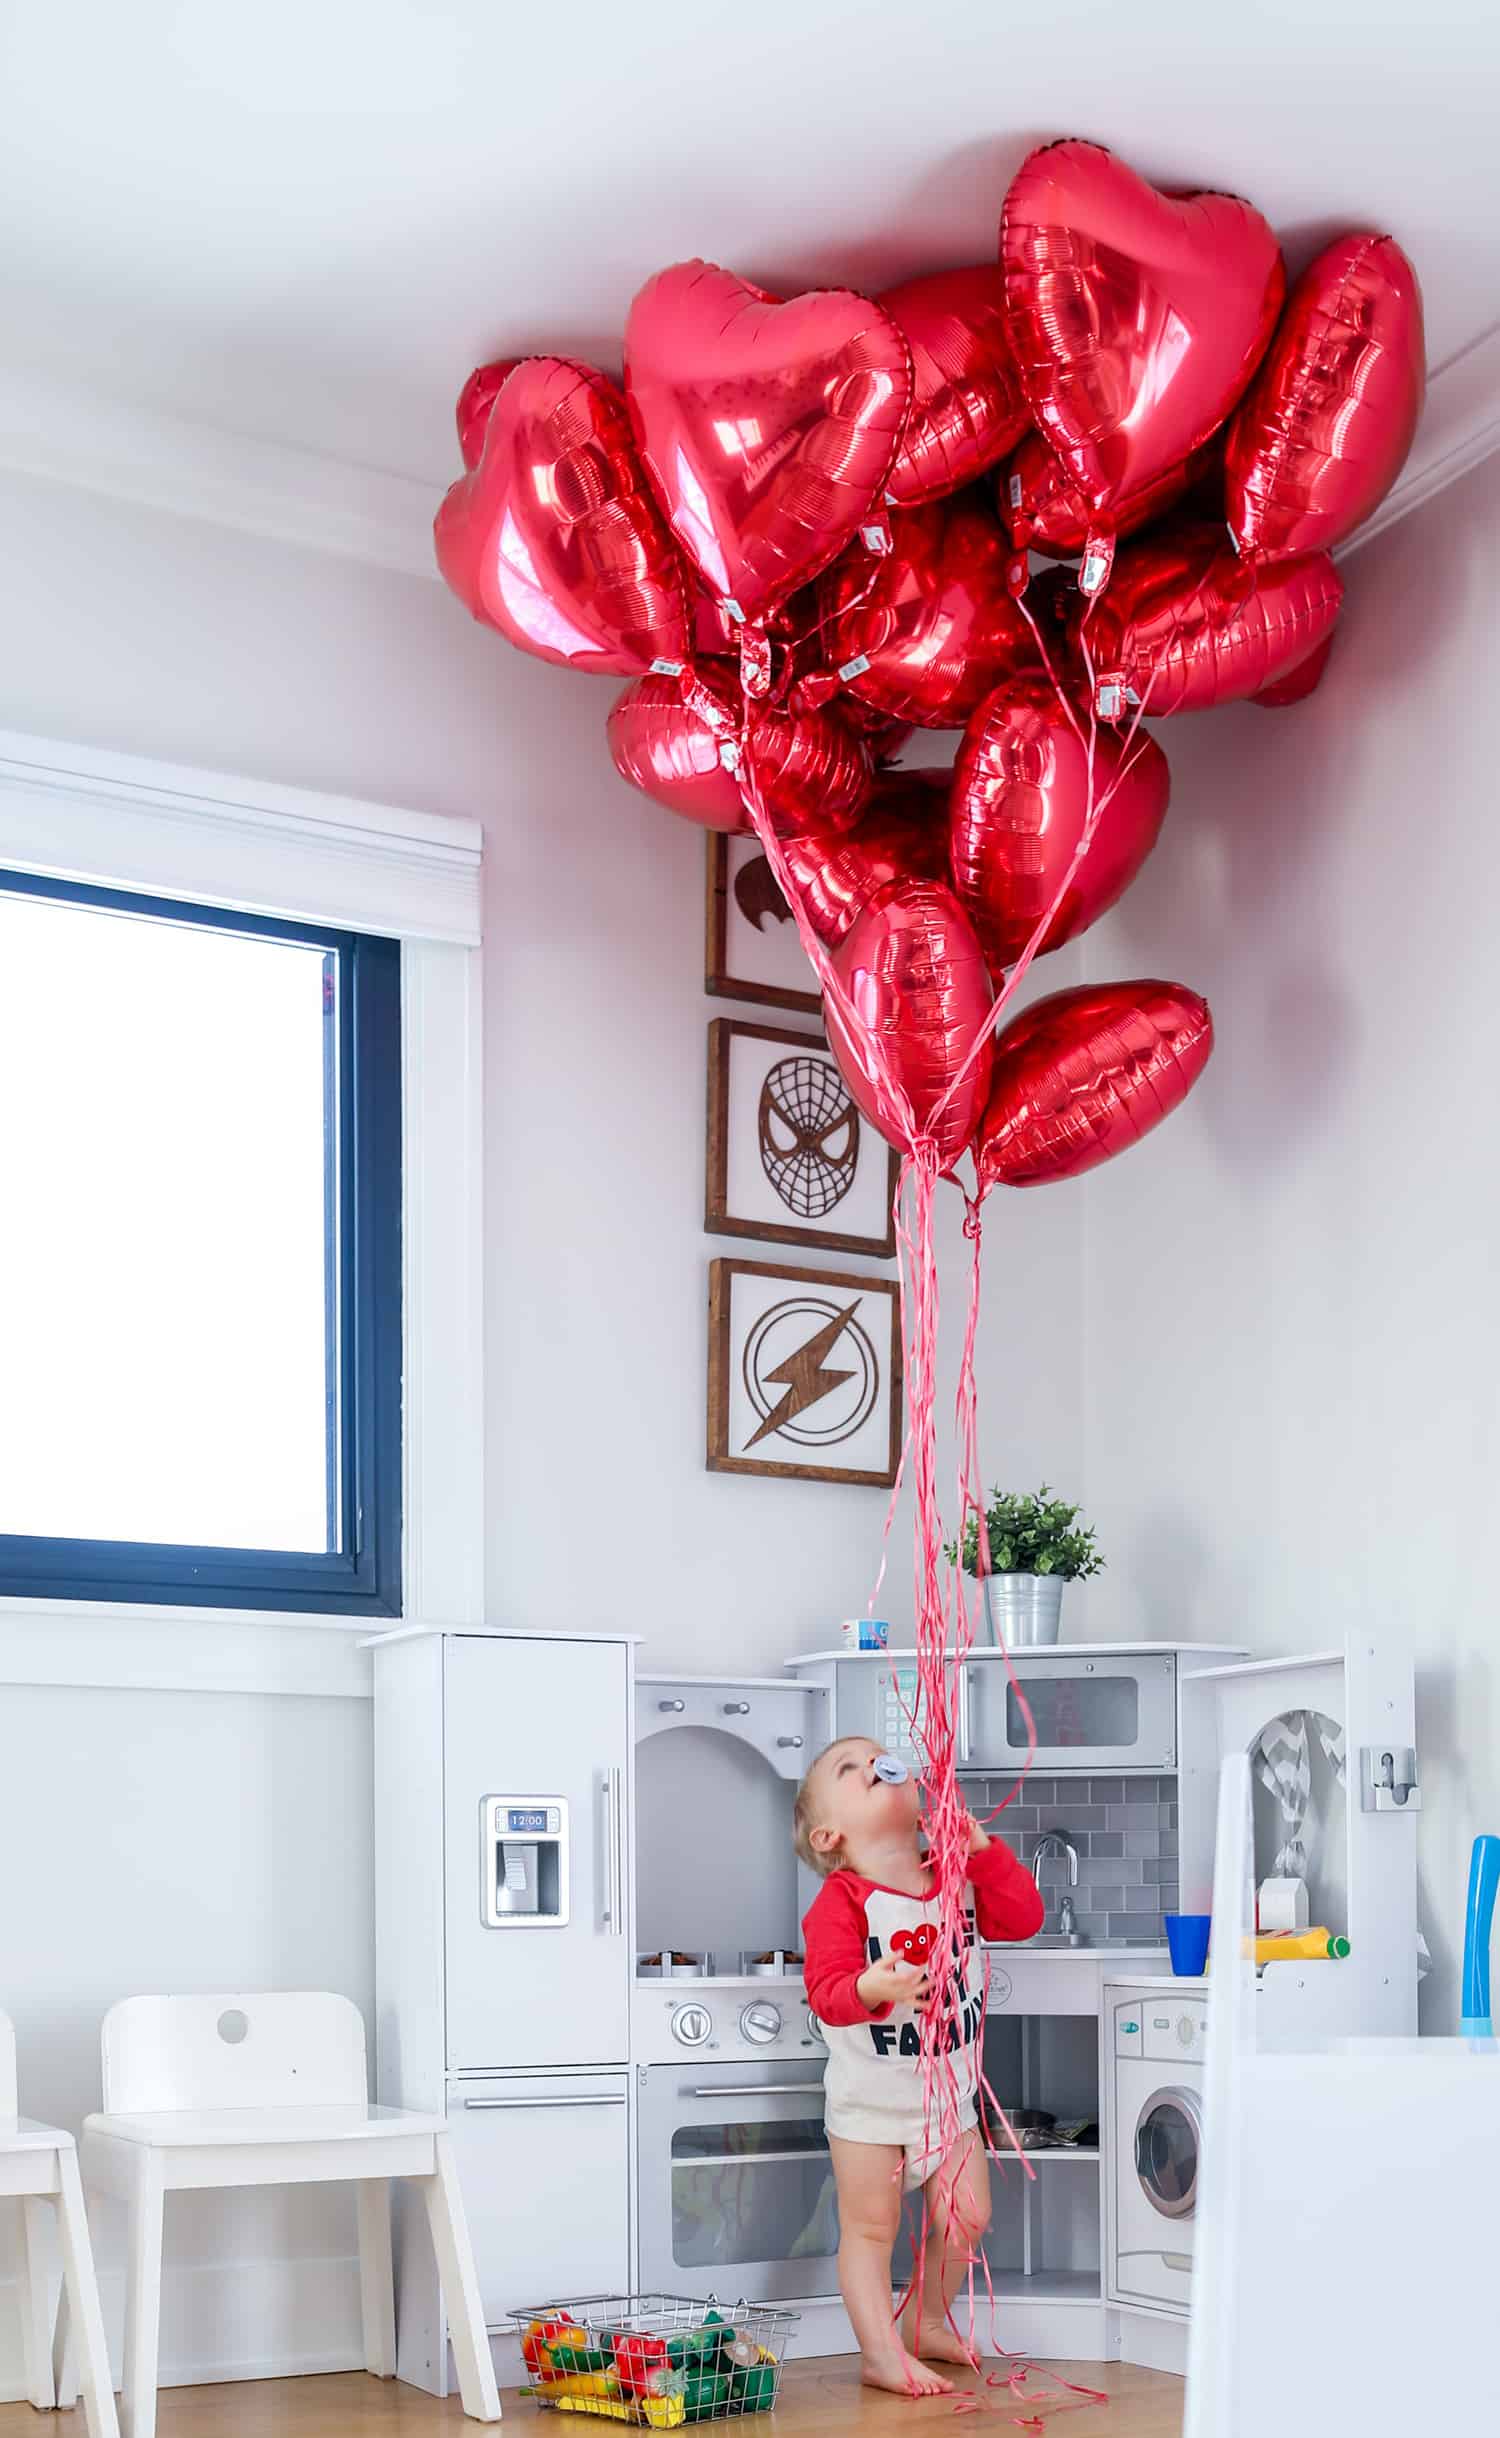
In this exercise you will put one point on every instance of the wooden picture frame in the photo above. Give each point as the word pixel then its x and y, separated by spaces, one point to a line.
pixel 830 1154
pixel 761 1319
pixel 726 916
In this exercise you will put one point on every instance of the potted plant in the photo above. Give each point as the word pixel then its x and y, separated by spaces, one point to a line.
pixel 1036 1545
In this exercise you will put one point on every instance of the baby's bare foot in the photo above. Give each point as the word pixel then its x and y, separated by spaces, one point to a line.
pixel 903 2375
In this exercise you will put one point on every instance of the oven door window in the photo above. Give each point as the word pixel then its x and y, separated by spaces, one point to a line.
pixel 1082 1713
pixel 752 2192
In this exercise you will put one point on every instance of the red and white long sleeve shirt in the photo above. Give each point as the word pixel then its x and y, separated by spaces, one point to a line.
pixel 874 2070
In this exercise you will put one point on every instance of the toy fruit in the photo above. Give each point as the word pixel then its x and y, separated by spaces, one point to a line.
pixel 693 2346
pixel 599 2384
pixel 657 2412
pixel 741 2352
pixel 708 2398
pixel 754 2391
pixel 540 2334
pixel 637 2359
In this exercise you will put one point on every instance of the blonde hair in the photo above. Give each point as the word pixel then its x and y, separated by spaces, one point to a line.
pixel 804 1817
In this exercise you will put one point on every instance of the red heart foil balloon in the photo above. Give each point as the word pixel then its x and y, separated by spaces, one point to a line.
pixel 1018 809
pixel 1136 318
pixel 901 835
pixel 916 976
pixel 1044 510
pixel 925 633
pixel 1084 1074
pixel 1185 624
pixel 554 537
pixel 478 395
pixel 1329 419
pixel 809 764
pixel 767 429
pixel 967 410
pixel 1298 683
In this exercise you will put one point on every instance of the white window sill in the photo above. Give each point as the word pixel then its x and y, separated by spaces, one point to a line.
pixel 133 1646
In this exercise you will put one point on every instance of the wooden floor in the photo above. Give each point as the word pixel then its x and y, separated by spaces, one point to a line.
pixel 818 2400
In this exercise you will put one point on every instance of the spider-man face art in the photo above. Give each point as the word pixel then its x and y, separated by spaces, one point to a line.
pixel 809 1135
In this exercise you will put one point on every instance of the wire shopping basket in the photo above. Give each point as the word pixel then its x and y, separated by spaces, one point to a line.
pixel 657 2360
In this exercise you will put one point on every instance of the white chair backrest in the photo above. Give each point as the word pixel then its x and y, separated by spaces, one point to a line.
pixel 262 2049
pixel 8 2102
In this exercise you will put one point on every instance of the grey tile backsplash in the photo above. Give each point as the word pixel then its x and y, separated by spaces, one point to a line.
pixel 1125 1830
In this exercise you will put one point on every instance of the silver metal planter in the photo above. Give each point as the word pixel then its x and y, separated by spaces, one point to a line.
pixel 1025 1611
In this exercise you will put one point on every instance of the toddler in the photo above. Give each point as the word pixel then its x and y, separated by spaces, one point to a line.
pixel 867 1939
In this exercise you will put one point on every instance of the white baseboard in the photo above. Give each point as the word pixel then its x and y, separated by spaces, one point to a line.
pixel 1153 2340
pixel 226 2320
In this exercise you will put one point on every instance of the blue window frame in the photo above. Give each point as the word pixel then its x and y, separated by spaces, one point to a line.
pixel 358 1056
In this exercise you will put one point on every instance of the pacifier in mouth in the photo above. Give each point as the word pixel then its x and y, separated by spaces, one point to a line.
pixel 889 1770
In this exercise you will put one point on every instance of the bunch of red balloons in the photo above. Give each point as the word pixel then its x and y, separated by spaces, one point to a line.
pixel 807 526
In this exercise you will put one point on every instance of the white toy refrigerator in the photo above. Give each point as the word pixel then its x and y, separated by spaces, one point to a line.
pixel 503 1882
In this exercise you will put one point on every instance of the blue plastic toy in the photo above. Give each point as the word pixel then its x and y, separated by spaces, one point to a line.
pixel 1484 1880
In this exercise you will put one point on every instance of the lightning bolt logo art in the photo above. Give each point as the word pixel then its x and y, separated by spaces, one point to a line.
pixel 805 1375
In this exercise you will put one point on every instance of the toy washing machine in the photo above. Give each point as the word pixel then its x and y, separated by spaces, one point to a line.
pixel 1157 2042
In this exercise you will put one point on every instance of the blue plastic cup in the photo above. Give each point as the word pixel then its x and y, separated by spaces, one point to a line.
pixel 1187 1943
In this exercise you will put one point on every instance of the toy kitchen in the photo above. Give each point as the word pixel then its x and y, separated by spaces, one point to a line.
pixel 587 1911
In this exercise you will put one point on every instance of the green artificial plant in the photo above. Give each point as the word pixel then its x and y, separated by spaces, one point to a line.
pixel 1031 1533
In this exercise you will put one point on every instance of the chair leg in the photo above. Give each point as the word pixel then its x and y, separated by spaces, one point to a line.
pixel 460 2283
pixel 142 2300
pixel 36 2314
pixel 79 2308
pixel 377 2292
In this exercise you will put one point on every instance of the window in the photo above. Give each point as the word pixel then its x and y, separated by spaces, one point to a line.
pixel 200 1258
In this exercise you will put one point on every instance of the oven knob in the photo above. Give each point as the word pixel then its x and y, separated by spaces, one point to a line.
pixel 691 2025
pixel 815 2027
pixel 761 2021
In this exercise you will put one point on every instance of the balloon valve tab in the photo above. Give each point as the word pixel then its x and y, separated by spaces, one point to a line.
pixel 876 538
pixel 755 660
pixel 667 668
pixel 1098 559
pixel 854 668
pixel 732 609
pixel 1016 493
pixel 729 754
pixel 1112 698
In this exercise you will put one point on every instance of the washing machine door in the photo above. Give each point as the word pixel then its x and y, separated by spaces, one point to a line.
pixel 1168 2133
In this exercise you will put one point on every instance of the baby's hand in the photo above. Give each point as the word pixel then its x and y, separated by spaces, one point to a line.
pixel 891 1984
pixel 978 1837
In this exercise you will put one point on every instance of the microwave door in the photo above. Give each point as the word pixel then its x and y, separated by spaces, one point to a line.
pixel 1092 1714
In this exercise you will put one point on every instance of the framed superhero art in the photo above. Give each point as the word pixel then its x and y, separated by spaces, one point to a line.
pixel 790 1158
pixel 804 1374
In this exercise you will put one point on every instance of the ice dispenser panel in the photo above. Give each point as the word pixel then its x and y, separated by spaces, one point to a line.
pixel 523 1861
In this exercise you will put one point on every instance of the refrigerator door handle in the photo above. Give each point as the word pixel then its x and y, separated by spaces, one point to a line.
pixel 614 1857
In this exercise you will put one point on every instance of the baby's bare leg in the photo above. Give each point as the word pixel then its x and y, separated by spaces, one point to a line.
pixel 958 2215
pixel 868 2176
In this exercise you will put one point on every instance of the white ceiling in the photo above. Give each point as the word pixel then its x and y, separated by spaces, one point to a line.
pixel 303 220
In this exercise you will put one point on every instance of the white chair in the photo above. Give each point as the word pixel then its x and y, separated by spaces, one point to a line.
pixel 39 2163
pixel 1344 2259
pixel 213 2093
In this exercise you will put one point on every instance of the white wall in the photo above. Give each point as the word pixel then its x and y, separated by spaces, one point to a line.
pixel 1291 1301
pixel 200 1841
pixel 162 636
